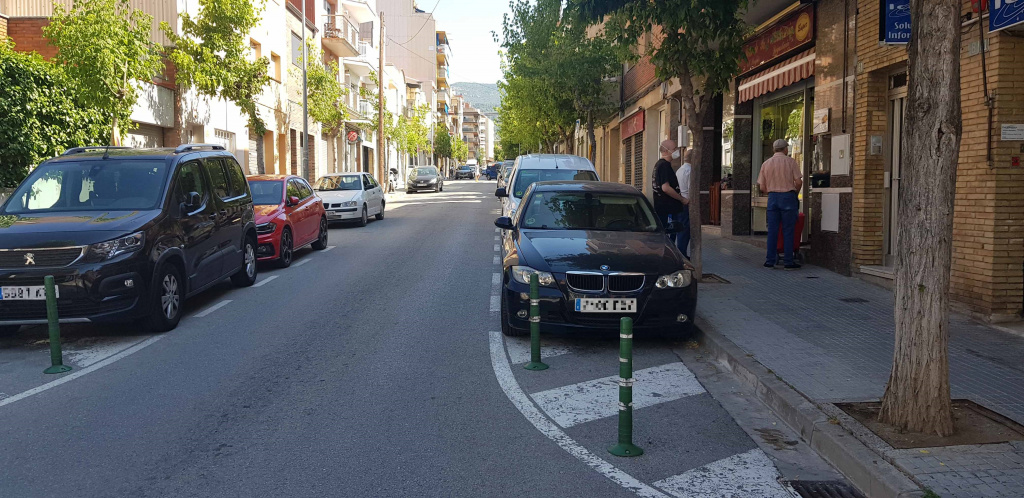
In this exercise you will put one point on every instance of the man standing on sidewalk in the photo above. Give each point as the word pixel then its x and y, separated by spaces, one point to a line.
pixel 780 176
pixel 668 202
pixel 683 217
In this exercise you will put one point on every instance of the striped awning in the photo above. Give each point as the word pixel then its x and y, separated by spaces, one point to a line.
pixel 783 74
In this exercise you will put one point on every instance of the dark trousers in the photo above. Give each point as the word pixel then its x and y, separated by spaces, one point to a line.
pixel 782 208
pixel 682 238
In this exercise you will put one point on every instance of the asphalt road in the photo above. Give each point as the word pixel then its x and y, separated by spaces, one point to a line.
pixel 365 370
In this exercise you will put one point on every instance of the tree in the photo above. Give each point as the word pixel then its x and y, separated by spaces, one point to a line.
pixel 700 42
pixel 105 48
pixel 461 150
pixel 42 116
pixel 212 54
pixel 443 143
pixel 917 395
pixel 325 94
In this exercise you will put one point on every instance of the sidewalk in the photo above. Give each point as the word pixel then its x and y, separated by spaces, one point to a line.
pixel 830 337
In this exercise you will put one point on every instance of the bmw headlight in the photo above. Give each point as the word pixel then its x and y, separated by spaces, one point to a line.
pixel 266 228
pixel 676 280
pixel 349 204
pixel 118 246
pixel 522 274
pixel 433 180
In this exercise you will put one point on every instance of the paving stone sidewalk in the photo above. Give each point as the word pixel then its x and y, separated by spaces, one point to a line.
pixel 831 338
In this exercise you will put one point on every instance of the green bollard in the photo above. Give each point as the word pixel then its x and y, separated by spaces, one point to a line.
pixel 626 448
pixel 535 363
pixel 56 355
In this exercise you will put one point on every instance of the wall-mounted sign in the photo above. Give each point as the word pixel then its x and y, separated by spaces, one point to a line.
pixel 632 125
pixel 1005 13
pixel 1012 132
pixel 794 32
pixel 821 119
pixel 896 21
pixel 352 136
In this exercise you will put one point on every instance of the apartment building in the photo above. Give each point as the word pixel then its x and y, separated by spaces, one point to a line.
pixel 472 119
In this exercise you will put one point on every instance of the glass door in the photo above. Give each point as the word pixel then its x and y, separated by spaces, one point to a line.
pixel 782 118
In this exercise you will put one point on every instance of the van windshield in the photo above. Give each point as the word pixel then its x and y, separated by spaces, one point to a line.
pixel 103 185
pixel 528 177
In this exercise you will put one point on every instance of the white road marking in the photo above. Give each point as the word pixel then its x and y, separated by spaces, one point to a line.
pixel 496 238
pixel 495 303
pixel 211 309
pixel 78 373
pixel 599 398
pixel 263 282
pixel 328 248
pixel 746 474
pixel 84 352
pixel 497 230
pixel 515 394
pixel 496 260
pixel 495 247
pixel 495 283
pixel 519 348
pixel 300 263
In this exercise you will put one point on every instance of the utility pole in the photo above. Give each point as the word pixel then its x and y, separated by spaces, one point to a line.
pixel 305 103
pixel 380 105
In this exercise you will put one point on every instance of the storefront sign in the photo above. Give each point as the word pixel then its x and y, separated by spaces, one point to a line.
pixel 632 125
pixel 790 34
pixel 896 28
pixel 1005 13
pixel 1012 132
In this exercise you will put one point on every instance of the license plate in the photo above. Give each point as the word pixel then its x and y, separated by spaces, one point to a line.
pixel 605 305
pixel 26 293
pixel 332 214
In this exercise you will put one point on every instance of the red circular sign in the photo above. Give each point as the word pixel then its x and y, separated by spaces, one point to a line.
pixel 352 136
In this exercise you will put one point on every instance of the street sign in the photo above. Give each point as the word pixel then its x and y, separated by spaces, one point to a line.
pixel 352 136
pixel 896 28
pixel 1005 13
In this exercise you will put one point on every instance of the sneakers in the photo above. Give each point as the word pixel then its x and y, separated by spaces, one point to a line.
pixel 794 266
pixel 770 265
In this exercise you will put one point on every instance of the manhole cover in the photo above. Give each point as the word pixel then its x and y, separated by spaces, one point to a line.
pixel 853 300
pixel 824 489
pixel 711 278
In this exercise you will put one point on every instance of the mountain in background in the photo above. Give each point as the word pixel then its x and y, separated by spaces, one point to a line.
pixel 483 96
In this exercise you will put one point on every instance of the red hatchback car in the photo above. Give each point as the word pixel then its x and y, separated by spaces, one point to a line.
pixel 289 216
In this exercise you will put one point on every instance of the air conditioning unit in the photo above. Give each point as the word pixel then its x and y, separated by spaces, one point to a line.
pixel 683 136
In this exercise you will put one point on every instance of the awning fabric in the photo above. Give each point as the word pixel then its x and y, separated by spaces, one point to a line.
pixel 781 75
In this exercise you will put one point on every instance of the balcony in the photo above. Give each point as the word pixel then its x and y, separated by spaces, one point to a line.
pixel 442 54
pixel 442 76
pixel 364 62
pixel 341 36
pixel 442 96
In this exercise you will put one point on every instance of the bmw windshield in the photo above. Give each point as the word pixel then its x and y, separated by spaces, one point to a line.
pixel 589 211
pixel 101 185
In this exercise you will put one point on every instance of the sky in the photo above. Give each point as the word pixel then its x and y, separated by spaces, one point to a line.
pixel 474 56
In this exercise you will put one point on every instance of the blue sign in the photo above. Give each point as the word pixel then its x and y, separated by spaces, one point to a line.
pixel 897 22
pixel 1005 13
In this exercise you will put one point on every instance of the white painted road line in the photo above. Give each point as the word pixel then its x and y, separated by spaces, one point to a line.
pixel 211 309
pixel 496 260
pixel 328 248
pixel 78 373
pixel 515 394
pixel 496 238
pixel 746 474
pixel 599 398
pixel 495 247
pixel 495 303
pixel 263 282
pixel 495 283
pixel 519 348
pixel 300 263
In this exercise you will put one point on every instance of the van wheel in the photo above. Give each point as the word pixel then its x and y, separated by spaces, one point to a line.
pixel 246 275
pixel 166 299
pixel 321 240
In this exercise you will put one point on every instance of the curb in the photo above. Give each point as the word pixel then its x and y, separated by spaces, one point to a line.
pixel 866 470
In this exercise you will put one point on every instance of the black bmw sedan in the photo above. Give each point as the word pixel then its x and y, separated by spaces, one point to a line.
pixel 600 254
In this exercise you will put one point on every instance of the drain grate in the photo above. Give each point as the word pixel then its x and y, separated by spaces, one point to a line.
pixel 711 278
pixel 853 300
pixel 824 489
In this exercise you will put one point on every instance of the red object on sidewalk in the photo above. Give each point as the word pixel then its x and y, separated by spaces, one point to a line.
pixel 798 232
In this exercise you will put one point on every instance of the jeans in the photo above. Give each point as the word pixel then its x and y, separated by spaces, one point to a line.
pixel 682 238
pixel 782 208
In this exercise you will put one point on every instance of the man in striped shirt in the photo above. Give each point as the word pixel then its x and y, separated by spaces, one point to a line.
pixel 780 176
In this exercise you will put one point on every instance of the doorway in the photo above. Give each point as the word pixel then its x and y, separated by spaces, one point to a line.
pixel 894 163
pixel 786 115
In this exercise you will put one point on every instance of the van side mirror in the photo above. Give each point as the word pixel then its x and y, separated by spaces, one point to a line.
pixel 504 223
pixel 193 201
pixel 501 192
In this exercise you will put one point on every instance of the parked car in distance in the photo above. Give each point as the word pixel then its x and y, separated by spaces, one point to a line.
pixel 351 197
pixel 424 178
pixel 491 172
pixel 467 172
pixel 289 216
pixel 538 168
pixel 128 234
pixel 504 172
pixel 600 254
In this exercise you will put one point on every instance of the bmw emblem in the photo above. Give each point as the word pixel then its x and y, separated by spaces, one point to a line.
pixel 605 268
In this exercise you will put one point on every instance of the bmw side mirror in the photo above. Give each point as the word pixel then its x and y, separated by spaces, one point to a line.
pixel 501 192
pixel 504 223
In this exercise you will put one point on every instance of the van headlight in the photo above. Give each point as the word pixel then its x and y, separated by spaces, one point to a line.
pixel 676 280
pixel 118 246
pixel 522 274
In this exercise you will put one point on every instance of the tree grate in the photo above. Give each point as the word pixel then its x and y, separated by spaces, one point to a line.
pixel 824 489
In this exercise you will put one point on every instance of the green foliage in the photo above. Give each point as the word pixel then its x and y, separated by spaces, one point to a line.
pixel 499 154
pixel 325 95
pixel 212 54
pixel 461 151
pixel 42 117
pixel 105 48
pixel 443 143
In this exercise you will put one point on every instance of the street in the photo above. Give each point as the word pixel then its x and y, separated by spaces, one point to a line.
pixel 375 369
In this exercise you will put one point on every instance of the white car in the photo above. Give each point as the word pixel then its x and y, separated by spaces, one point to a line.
pixel 351 197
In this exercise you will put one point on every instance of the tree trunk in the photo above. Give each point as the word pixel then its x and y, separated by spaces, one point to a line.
pixel 592 152
pixel 115 133
pixel 696 130
pixel 917 395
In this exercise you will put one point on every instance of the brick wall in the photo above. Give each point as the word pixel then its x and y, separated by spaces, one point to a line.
pixel 638 79
pixel 27 34
pixel 3 27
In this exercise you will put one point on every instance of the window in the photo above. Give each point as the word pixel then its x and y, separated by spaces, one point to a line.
pixel 120 184
pixel 587 211
pixel 293 189
pixel 255 49
pixel 304 189
pixel 236 176
pixel 367 183
pixel 345 182
pixel 190 179
pixel 525 178
pixel 275 60
pixel 296 50
pixel 266 192
pixel 218 178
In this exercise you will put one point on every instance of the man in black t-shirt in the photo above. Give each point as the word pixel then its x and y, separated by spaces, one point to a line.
pixel 667 199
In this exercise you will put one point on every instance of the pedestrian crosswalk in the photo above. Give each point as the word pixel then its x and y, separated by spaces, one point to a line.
pixel 743 475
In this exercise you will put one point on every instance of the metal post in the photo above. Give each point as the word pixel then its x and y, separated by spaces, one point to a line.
pixel 626 448
pixel 535 363
pixel 56 355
